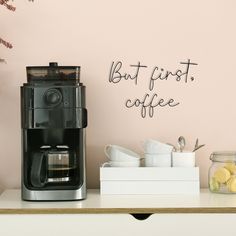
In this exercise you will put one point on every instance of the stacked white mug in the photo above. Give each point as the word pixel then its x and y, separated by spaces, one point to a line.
pixel 157 154
pixel 183 159
pixel 121 157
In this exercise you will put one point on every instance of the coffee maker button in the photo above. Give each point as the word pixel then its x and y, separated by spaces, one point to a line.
pixel 53 97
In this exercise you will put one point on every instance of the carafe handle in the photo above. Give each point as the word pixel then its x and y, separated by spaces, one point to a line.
pixel 38 174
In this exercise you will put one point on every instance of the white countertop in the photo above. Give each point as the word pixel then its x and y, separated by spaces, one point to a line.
pixel 205 202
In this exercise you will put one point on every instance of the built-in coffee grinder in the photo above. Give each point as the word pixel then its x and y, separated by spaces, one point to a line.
pixel 54 118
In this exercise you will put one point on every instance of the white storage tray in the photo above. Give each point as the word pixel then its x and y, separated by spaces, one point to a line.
pixel 149 180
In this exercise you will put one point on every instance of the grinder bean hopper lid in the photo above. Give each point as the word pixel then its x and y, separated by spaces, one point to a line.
pixel 53 72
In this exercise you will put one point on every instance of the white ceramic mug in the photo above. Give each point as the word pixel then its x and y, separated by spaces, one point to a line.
pixel 157 160
pixel 183 159
pixel 154 146
pixel 121 164
pixel 117 154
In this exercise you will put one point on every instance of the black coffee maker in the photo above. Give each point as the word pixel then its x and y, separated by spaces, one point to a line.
pixel 53 123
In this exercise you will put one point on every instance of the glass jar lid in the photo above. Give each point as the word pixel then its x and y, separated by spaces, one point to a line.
pixel 223 156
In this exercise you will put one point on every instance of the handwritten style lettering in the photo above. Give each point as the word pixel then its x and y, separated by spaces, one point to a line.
pixel 149 102
pixel 115 75
pixel 178 75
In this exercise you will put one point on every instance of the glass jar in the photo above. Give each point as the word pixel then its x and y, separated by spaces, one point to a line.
pixel 222 173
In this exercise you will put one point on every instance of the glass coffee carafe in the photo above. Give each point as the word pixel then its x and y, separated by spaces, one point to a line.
pixel 53 166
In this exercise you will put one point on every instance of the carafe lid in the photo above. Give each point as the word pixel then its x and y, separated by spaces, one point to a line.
pixel 53 72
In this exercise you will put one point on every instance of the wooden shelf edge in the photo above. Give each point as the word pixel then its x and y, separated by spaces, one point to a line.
pixel 204 210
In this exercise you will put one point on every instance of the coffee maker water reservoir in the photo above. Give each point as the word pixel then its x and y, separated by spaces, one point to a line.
pixel 53 120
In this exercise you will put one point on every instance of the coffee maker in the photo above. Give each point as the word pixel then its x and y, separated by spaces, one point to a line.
pixel 53 121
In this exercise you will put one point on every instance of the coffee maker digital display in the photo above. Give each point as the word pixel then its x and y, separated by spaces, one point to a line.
pixel 53 121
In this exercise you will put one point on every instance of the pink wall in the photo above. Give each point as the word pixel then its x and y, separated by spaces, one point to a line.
pixel 157 33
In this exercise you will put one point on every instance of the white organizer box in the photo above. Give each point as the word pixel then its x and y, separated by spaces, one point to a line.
pixel 149 180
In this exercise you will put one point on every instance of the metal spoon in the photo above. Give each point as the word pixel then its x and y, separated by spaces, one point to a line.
pixel 181 143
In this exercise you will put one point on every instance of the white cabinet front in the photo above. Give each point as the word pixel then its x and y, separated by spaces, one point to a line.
pixel 117 224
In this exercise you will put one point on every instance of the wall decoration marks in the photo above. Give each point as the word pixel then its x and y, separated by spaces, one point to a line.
pixel 11 8
pixel 151 100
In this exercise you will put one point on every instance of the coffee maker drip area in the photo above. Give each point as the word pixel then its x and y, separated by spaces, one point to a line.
pixel 53 120
pixel 53 159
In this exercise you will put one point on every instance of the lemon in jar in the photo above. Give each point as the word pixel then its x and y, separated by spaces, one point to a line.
pixel 214 185
pixel 222 175
pixel 231 184
pixel 231 167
